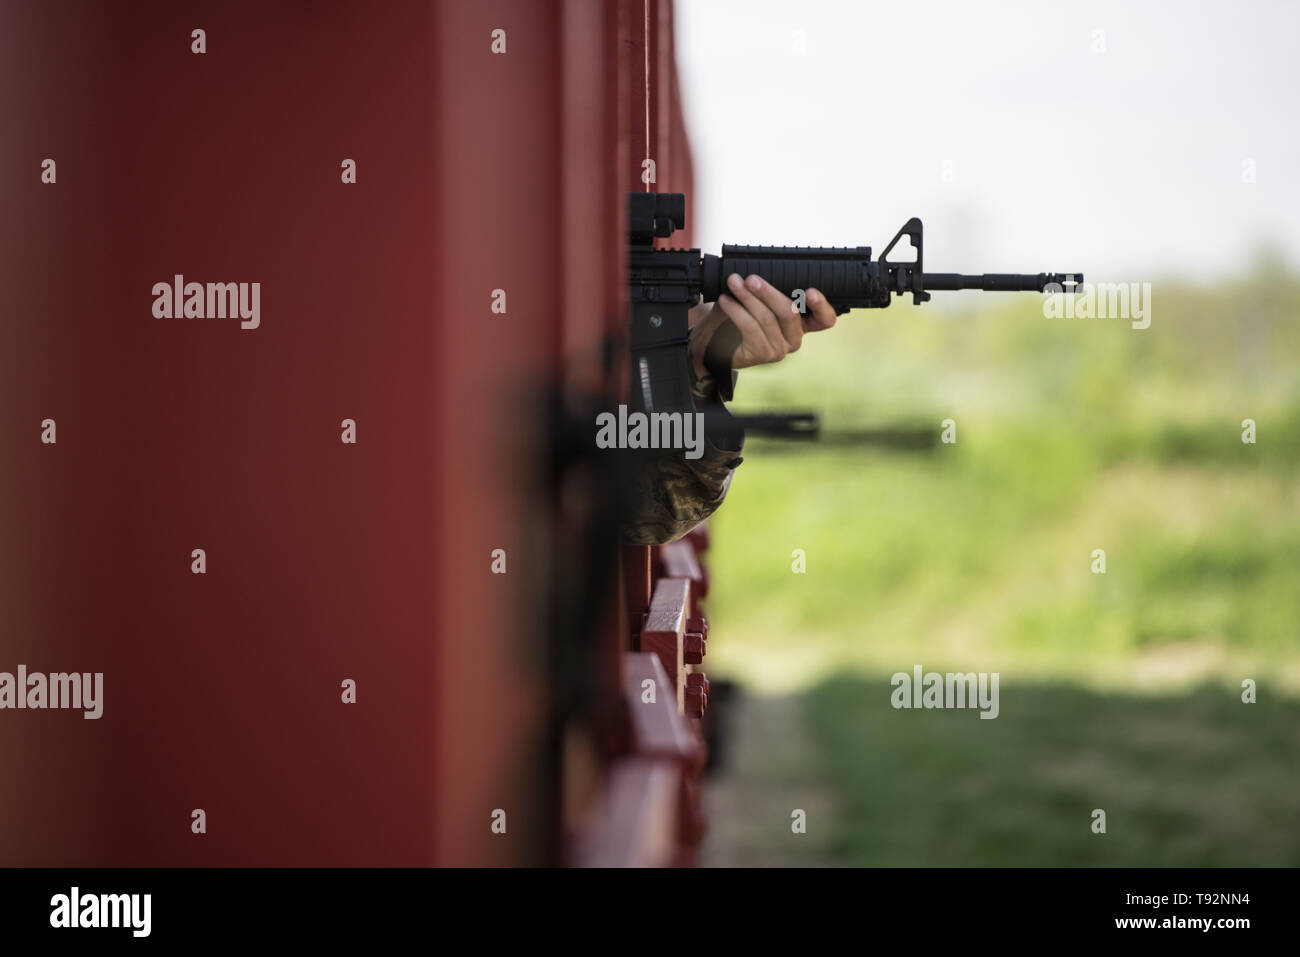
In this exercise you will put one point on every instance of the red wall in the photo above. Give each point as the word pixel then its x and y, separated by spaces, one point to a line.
pixel 326 561
pixel 222 691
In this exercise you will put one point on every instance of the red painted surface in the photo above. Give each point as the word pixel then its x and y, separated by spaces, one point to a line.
pixel 326 561
pixel 222 691
pixel 655 606
pixel 664 628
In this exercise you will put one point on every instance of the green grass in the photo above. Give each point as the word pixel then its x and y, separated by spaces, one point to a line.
pixel 1072 435
pixel 1196 779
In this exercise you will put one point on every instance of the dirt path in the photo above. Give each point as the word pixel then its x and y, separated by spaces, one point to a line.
pixel 770 770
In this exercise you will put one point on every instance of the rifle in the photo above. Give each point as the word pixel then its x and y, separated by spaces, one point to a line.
pixel 663 285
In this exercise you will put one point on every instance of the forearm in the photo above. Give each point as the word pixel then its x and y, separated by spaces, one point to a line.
pixel 672 494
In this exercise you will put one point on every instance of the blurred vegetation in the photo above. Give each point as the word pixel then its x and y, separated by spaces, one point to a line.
pixel 1072 435
pixel 1194 780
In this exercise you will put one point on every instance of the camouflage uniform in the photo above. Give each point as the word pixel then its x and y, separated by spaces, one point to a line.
pixel 669 496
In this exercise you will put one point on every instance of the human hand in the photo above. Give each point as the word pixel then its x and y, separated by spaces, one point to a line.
pixel 767 325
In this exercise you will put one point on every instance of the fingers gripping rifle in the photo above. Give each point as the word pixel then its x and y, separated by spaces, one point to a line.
pixel 663 285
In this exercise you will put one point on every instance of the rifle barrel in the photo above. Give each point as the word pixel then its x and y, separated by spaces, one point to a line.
pixel 1002 282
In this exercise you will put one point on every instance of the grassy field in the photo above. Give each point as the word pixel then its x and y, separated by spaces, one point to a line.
pixel 1120 690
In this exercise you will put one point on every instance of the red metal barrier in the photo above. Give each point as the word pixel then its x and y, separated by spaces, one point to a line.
pixel 478 170
pixel 661 592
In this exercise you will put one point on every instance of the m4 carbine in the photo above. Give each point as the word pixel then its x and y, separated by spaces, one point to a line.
pixel 663 285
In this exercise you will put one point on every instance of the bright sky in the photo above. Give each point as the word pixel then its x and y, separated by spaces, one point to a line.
pixel 816 122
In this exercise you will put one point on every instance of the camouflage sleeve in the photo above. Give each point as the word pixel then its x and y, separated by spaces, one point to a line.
pixel 669 496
